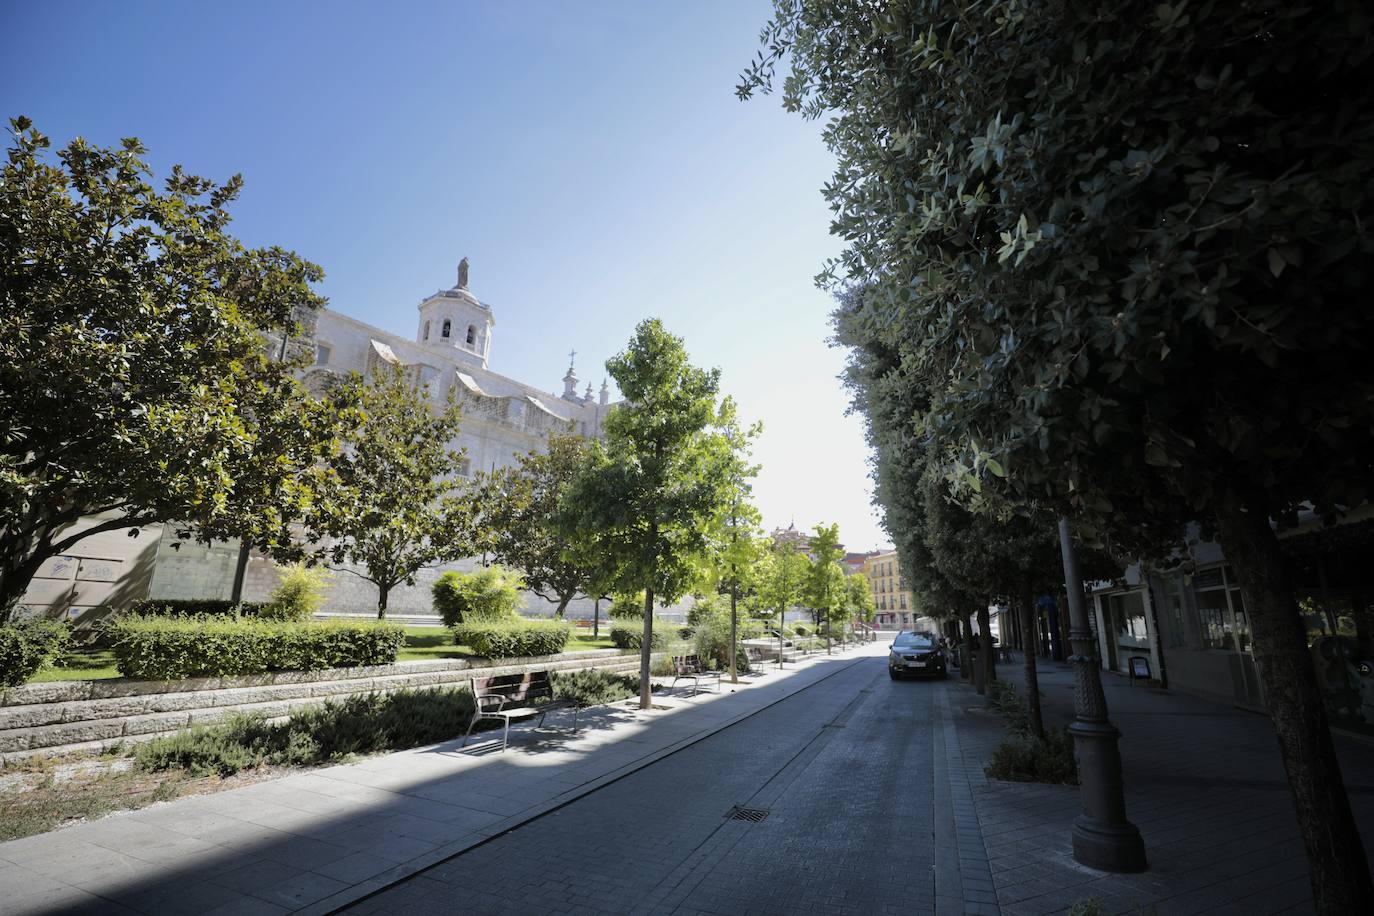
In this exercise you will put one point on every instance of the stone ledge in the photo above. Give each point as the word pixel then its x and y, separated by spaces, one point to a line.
pixel 136 721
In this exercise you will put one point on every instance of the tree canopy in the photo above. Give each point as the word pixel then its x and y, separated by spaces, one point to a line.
pixel 520 509
pixel 134 378
pixel 649 490
pixel 400 502
pixel 1115 262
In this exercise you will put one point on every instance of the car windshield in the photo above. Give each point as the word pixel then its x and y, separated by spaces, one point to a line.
pixel 913 641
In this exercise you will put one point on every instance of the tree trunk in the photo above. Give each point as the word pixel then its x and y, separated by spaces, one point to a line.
pixel 734 630
pixel 562 606
pixel 1335 853
pixel 1028 612
pixel 382 592
pixel 646 649
pixel 596 619
pixel 985 650
pixel 978 665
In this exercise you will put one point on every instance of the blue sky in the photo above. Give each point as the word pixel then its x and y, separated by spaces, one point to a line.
pixel 590 158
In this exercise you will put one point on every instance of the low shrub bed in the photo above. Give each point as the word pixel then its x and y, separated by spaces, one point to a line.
pixel 1023 756
pixel 320 734
pixel 632 636
pixel 161 648
pixel 594 688
pixel 27 646
pixel 518 639
pixel 195 607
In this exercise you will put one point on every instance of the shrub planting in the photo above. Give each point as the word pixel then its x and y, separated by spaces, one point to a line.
pixel 320 734
pixel 490 594
pixel 28 646
pixel 712 645
pixel 1024 757
pixel 195 607
pixel 299 594
pixel 631 636
pixel 593 688
pixel 158 648
pixel 515 639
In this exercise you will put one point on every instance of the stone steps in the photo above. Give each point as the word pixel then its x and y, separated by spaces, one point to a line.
pixel 64 716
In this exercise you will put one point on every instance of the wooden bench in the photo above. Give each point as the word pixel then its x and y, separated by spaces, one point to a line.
pixel 689 667
pixel 512 697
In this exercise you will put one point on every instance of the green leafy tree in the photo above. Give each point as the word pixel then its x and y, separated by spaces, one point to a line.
pixel 134 384
pixel 649 490
pixel 824 586
pixel 781 581
pixel 399 507
pixel 520 511
pixel 736 545
pixel 858 599
pixel 1128 256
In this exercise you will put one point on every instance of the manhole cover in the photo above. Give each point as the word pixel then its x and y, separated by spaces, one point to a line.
pixel 753 815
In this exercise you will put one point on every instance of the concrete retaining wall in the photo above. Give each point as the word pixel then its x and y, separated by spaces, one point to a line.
pixel 63 716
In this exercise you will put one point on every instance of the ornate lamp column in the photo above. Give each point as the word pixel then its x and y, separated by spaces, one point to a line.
pixel 1102 836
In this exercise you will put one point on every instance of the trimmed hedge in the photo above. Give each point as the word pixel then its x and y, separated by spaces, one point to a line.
pixel 519 639
pixel 27 646
pixel 161 648
pixel 195 607
pixel 632 637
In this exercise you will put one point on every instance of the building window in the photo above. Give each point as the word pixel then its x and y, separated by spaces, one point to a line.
pixel 446 330
pixel 426 337
pixel 321 355
pixel 472 335
pixel 465 468
pixel 1221 611
pixel 902 599
pixel 1128 619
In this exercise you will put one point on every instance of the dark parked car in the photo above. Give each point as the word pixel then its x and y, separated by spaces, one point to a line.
pixel 916 654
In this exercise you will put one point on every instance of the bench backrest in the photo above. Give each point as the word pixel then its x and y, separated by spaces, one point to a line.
pixel 508 690
pixel 687 664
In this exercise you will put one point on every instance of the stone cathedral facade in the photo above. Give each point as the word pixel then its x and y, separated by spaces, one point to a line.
pixel 502 419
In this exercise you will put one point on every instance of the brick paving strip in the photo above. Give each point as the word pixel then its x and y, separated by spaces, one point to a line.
pixel 1204 784
pixel 316 841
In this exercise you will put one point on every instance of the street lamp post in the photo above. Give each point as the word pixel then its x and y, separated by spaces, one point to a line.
pixel 1102 836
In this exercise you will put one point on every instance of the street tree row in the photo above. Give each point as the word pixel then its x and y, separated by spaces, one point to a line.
pixel 1109 264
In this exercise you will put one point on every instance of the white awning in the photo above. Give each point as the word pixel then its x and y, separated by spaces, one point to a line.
pixel 537 403
pixel 384 351
pixel 471 384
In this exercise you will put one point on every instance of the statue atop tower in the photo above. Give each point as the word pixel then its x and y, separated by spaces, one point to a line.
pixel 463 274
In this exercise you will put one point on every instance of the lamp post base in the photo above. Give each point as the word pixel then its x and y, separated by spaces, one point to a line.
pixel 1108 847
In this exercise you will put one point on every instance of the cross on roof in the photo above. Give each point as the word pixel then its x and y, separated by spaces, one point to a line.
pixel 572 357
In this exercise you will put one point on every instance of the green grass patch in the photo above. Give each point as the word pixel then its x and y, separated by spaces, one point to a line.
pixel 431 642
pixel 80 665
pixel 582 642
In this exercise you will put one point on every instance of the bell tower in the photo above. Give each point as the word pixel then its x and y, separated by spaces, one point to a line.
pixel 457 322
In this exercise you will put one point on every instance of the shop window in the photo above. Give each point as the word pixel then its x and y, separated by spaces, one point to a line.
pixel 1128 619
pixel 1221 613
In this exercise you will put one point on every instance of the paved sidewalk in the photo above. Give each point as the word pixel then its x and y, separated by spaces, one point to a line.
pixel 315 841
pixel 1204 783
pixel 861 803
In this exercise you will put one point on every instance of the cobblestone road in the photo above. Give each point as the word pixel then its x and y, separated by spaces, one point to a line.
pixel 846 770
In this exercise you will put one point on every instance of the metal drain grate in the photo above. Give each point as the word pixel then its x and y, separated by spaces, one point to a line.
pixel 753 815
